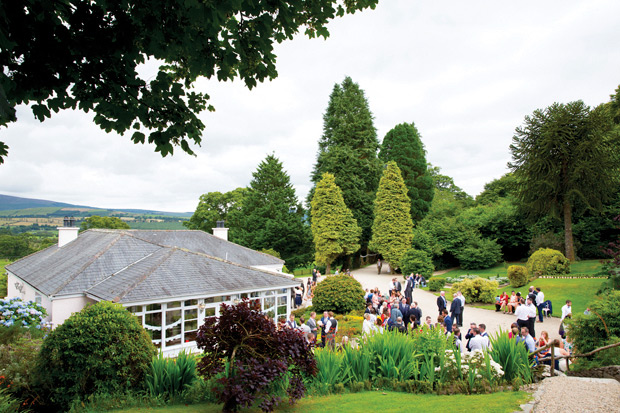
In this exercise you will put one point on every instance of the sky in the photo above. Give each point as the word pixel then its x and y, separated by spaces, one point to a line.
pixel 465 72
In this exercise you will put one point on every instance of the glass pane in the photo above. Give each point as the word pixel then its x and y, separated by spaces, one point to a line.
pixel 191 336
pixel 135 309
pixel 282 310
pixel 210 312
pixel 173 317
pixel 282 300
pixel 173 335
pixel 213 300
pixel 153 320
pixel 189 303
pixel 244 295
pixel 191 314
pixel 255 294
pixel 174 304
pixel 153 307
pixel 191 325
pixel 269 302
pixel 270 292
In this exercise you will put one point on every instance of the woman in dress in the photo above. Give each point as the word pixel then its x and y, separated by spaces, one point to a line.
pixel 512 304
pixel 298 295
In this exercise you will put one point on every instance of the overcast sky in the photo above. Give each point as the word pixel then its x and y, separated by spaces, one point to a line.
pixel 466 72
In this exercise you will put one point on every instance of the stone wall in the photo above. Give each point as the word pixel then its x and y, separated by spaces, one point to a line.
pixel 607 372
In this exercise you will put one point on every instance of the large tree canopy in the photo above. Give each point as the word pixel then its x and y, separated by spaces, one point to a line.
pixel 403 145
pixel 392 229
pixel 334 228
pixel 563 156
pixel 348 151
pixel 271 216
pixel 85 55
pixel 217 206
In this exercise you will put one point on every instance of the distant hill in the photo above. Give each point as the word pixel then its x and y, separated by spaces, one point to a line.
pixel 13 206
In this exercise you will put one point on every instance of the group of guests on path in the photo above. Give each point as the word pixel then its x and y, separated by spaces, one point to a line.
pixel 398 311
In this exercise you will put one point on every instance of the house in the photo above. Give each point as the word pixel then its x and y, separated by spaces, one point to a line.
pixel 170 280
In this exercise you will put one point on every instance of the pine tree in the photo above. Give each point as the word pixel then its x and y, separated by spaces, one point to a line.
pixel 392 229
pixel 563 156
pixel 348 150
pixel 402 144
pixel 271 216
pixel 334 229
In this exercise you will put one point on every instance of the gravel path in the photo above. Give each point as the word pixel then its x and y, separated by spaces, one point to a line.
pixel 577 394
pixel 427 301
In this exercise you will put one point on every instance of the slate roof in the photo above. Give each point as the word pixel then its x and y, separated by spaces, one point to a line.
pixel 136 265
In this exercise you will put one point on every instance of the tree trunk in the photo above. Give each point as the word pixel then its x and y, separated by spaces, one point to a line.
pixel 328 268
pixel 569 245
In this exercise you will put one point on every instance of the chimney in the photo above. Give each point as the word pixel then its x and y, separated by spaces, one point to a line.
pixel 68 232
pixel 220 231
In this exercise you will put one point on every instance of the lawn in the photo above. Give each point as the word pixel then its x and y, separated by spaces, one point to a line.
pixel 579 267
pixel 581 291
pixel 384 401
pixel 3 287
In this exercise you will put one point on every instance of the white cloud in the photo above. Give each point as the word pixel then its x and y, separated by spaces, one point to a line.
pixel 465 72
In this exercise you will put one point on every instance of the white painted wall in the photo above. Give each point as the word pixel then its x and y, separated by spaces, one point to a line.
pixel 16 287
pixel 62 308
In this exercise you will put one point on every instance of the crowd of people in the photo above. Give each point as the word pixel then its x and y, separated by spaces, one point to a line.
pixel 397 311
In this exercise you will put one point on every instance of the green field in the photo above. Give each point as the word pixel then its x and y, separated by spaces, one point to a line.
pixel 166 225
pixel 500 270
pixel 383 401
pixel 581 291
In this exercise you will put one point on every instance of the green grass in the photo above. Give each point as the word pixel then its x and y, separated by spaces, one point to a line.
pixel 166 225
pixel 384 401
pixel 581 291
pixel 500 270
pixel 3 277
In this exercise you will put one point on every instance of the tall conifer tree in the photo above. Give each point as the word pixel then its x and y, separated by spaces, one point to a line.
pixel 271 216
pixel 348 150
pixel 403 145
pixel 392 229
pixel 334 228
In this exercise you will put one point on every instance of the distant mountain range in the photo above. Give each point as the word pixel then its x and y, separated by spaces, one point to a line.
pixel 12 205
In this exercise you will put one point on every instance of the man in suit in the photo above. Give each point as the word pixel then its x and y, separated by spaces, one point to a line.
pixel 417 312
pixel 409 289
pixel 455 308
pixel 442 304
pixel 405 309
pixel 447 321
pixel 314 330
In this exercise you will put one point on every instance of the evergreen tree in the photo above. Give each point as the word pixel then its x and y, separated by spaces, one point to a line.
pixel 564 155
pixel 348 150
pixel 334 228
pixel 402 144
pixel 271 216
pixel 392 229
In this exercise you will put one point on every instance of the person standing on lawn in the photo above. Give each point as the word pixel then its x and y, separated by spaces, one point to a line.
pixel 409 289
pixel 540 303
pixel 531 314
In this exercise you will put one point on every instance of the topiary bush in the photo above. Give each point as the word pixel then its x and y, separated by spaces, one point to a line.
pixel 518 275
pixel 477 290
pixel 546 261
pixel 100 349
pixel 479 254
pixel 436 284
pixel 417 262
pixel 339 293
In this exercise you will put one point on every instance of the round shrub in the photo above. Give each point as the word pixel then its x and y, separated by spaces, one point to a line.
pixel 477 290
pixel 339 293
pixel 479 254
pixel 546 261
pixel 417 262
pixel 101 349
pixel 436 284
pixel 518 275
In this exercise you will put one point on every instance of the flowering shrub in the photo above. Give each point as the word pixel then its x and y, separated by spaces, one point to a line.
pixel 475 361
pixel 15 311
